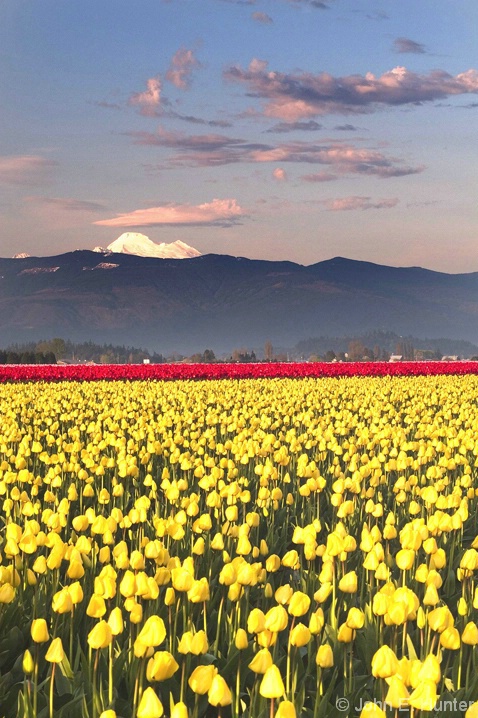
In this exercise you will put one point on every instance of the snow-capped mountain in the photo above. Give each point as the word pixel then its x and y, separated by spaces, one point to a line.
pixel 143 246
pixel 21 255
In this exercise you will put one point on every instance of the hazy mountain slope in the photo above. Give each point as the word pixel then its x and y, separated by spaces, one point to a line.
pixel 224 302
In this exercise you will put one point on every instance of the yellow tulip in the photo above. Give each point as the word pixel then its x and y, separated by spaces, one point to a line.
pixel 424 697
pixel 241 641
pixel 355 618
pixel 450 638
pixel 261 661
pixel 299 604
pixel 28 664
pixel 286 709
pixel 39 630
pixel 372 710
pixel 150 706
pixel 201 679
pixel 300 635
pixel 180 710
pixel 55 652
pixel 384 663
pixel 161 666
pixel 100 635
pixel 153 632
pixel 348 582
pixel 325 656
pixel 219 693
pixel 271 685
pixel 276 619
pixel 470 634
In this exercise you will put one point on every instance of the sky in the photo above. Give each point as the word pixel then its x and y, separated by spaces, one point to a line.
pixel 273 129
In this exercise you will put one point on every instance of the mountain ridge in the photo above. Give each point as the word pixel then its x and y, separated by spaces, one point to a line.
pixel 223 302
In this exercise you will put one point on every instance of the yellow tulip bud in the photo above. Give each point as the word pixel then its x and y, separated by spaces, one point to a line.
pixel 150 706
pixel 284 593
pixel 450 638
pixel 424 697
pixel 180 710
pixel 241 641
pixel 153 632
pixel 348 583
pixel 470 634
pixel 299 604
pixel 201 679
pixel 100 635
pixel 261 661
pixel 384 663
pixel 405 559
pixel 300 635
pixel 161 666
pixel 372 710
pixel 271 685
pixel 440 618
pixel 286 709
pixel 55 652
pixel 325 656
pixel 355 618
pixel 316 622
pixel 276 619
pixel 345 634
pixel 39 630
pixel 28 664
pixel 429 670
pixel 219 693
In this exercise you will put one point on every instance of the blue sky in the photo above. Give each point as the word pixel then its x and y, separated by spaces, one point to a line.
pixel 274 129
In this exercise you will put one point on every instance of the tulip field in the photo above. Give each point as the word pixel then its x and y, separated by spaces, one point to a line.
pixel 266 545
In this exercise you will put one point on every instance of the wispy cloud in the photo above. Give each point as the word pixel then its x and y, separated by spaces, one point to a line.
pixel 283 127
pixel 68 204
pixel 291 97
pixel 216 150
pixel 149 100
pixel 192 119
pixel 405 45
pixel 222 212
pixel 355 202
pixel 24 169
pixel 317 4
pixel 319 177
pixel 180 70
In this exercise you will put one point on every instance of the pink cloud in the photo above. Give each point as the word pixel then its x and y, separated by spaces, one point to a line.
pixel 211 150
pixel 262 17
pixel 149 100
pixel 351 203
pixel 279 174
pixel 182 65
pixel 292 97
pixel 218 212
pixel 24 169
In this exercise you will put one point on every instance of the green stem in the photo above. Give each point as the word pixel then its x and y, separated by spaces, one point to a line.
pixel 52 683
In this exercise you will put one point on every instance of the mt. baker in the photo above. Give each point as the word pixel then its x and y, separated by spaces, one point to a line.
pixel 142 246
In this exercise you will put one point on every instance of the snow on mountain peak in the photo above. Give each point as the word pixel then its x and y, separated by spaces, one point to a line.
pixel 21 255
pixel 143 246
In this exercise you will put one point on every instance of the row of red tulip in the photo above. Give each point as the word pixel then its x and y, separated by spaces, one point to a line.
pixel 162 372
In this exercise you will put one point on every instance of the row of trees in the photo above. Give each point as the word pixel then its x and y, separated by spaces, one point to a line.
pixel 26 357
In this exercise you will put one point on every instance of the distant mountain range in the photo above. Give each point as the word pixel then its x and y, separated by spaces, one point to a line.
pixel 222 302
